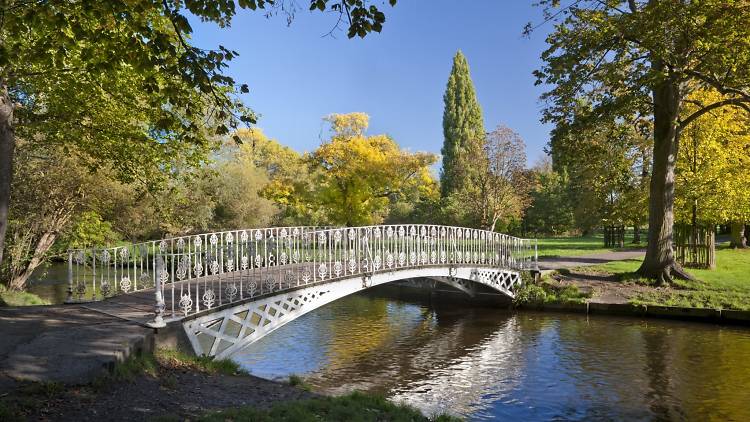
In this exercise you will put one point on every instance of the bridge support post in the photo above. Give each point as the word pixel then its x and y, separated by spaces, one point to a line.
pixel 70 278
pixel 536 272
pixel 159 307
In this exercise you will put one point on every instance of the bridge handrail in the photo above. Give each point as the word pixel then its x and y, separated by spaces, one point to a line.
pixel 295 255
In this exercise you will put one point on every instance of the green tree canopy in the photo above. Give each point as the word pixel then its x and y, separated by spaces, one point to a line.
pixel 67 68
pixel 463 127
pixel 634 59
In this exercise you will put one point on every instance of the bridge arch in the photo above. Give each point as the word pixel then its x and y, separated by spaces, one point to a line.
pixel 223 332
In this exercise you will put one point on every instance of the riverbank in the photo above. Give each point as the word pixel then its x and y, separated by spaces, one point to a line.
pixel 169 385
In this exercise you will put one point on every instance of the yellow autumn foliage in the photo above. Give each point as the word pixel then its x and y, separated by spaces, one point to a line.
pixel 713 167
pixel 358 175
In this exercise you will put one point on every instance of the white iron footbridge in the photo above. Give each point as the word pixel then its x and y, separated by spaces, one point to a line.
pixel 229 289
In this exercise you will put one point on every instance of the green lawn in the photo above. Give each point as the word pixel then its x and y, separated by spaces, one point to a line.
pixel 726 287
pixel 354 407
pixel 575 246
pixel 14 298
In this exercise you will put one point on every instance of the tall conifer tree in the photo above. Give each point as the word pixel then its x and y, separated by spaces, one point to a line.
pixel 463 126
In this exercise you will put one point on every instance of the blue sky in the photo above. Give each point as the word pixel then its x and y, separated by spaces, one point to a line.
pixel 297 74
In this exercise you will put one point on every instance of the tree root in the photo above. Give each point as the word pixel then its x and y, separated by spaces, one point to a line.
pixel 666 275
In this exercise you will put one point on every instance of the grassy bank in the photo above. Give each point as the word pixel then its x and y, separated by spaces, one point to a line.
pixel 576 246
pixel 543 292
pixel 16 298
pixel 726 287
pixel 352 407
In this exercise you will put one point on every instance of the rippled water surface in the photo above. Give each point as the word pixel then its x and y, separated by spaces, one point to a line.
pixel 482 363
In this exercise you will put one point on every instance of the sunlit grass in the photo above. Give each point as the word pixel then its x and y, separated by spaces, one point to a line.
pixel 726 287
pixel 352 407
pixel 580 245
pixel 19 298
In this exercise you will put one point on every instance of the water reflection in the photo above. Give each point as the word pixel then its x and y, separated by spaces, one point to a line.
pixel 483 363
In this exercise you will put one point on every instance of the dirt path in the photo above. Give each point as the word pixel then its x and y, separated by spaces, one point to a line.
pixel 557 263
pixel 180 393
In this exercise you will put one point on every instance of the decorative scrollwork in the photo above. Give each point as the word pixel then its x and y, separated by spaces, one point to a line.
pixel 181 271
pixel 197 242
pixel 243 236
pixel 186 304
pixel 389 231
pixel 283 258
pixel 352 234
pixel 198 269
pixel 412 258
pixel 270 283
pixel 125 284
pixel 337 236
pixel 283 234
pixel 322 238
pixel 80 289
pixel 209 298
pixel 376 262
pixel 105 256
pixel 105 288
pixel 231 291
pixel 229 265
pixel 229 238
pixel 295 257
pixel 213 240
pixel 124 253
pixel 258 235
pixel 402 258
pixel 401 231
pixel 145 280
pixel 214 267
pixel 352 264
pixel 306 275
pixel 252 287
pixel 322 270
pixel 337 268
pixel 243 262
pixel 289 278
pixel 376 233
pixel 164 277
pixel 163 246
pixel 389 260
pixel 180 244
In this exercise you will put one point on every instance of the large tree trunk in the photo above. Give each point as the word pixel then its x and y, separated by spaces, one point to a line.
pixel 739 237
pixel 7 149
pixel 659 262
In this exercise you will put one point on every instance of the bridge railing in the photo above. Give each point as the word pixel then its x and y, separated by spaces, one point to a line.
pixel 198 272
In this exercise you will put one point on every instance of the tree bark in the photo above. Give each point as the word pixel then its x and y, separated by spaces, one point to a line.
pixel 659 262
pixel 7 149
pixel 739 238
pixel 43 245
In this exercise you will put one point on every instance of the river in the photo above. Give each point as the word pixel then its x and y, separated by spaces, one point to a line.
pixel 482 363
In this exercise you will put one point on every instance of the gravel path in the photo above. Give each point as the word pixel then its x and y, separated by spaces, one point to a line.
pixel 557 263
